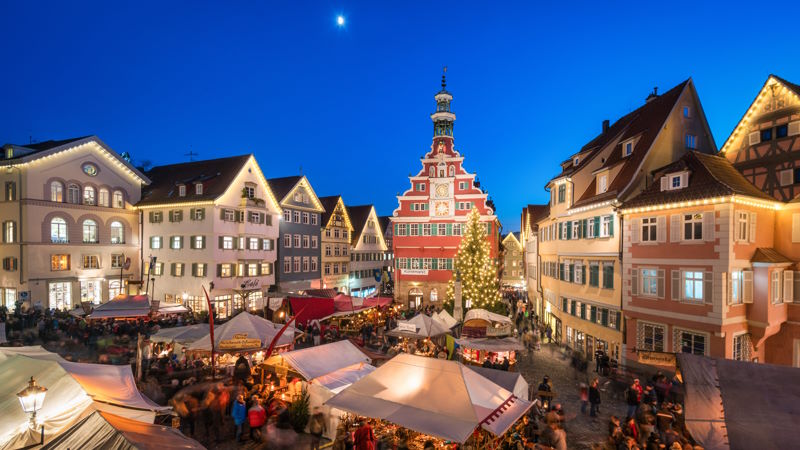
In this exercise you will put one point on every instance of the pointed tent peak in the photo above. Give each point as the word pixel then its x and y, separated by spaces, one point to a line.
pixel 241 332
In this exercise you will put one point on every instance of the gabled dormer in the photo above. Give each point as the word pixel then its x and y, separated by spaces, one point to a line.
pixel 602 180
pixel 675 180
pixel 628 146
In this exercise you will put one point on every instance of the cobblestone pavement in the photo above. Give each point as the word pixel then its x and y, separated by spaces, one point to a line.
pixel 582 431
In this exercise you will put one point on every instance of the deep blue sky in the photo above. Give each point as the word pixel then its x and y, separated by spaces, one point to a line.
pixel 532 83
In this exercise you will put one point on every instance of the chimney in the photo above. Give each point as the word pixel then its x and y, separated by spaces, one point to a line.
pixel 653 95
pixel 605 125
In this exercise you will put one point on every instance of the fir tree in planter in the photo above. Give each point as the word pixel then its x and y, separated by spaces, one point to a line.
pixel 299 414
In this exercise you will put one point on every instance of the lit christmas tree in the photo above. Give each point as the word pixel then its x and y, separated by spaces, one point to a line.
pixel 478 272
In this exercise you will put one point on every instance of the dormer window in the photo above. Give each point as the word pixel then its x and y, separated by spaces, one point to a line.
pixel 198 189
pixel 576 161
pixel 691 141
pixel 673 181
pixel 9 152
pixel 250 191
pixel 181 190
pixel 687 112
pixel 627 148
pixel 602 183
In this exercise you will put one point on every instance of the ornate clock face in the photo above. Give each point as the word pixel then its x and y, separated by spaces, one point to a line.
pixel 89 169
pixel 442 208
pixel 442 190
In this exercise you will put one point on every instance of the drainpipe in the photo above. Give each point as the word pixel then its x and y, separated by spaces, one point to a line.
pixel 623 325
pixel 21 227
pixel 141 247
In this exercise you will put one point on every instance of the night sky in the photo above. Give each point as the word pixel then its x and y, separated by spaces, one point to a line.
pixel 351 104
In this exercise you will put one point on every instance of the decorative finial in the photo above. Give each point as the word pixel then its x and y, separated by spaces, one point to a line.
pixel 444 81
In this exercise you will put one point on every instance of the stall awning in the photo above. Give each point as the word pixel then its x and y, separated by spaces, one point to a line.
pixel 320 360
pixel 425 327
pixel 432 396
pixel 510 381
pixel 244 332
pixel 316 308
pixel 122 307
pixel 505 344
pixel 183 335
pixel 33 351
pixel 341 378
pixel 488 316
pixel 378 301
pixel 167 308
pixel 444 317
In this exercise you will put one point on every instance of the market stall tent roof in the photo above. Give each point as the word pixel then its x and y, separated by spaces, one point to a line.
pixel 432 396
pixel 313 362
pixel 122 306
pixel 316 308
pixel 378 301
pixel 183 335
pixel 425 325
pixel 341 378
pixel 510 381
pixel 102 430
pixel 34 351
pixel 167 308
pixel 740 405
pixel 242 332
pixel 482 314
pixel 445 317
pixel 489 344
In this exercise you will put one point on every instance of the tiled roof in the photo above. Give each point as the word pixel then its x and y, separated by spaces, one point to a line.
pixel 358 218
pixel 329 203
pixel 538 212
pixel 385 221
pixel 215 174
pixel 789 85
pixel 644 123
pixel 283 185
pixel 709 176
pixel 47 145
pixel 769 255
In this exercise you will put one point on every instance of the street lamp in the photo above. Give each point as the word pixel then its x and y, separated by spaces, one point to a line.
pixel 31 399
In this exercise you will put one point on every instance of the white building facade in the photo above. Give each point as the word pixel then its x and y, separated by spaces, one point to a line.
pixel 368 251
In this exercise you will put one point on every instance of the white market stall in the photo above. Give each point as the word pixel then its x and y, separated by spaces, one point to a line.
pixel 510 381
pixel 123 306
pixel 180 337
pixel 33 351
pixel 420 326
pixel 436 397
pixel 445 318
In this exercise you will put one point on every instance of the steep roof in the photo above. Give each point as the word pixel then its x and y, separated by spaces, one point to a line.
pixel 644 123
pixel 46 145
pixel 538 212
pixel 215 174
pixel 709 176
pixel 283 185
pixel 329 203
pixel 385 221
pixel 358 218
pixel 769 255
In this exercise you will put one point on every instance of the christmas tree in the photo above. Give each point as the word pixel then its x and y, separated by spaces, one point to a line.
pixel 476 268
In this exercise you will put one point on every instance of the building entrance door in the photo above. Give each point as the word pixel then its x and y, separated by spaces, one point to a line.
pixel 414 298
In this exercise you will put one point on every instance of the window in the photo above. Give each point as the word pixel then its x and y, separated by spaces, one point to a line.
pixel 687 112
pixel 287 240
pixel 605 226
pixel 177 269
pixel 650 282
pixel 197 214
pixel 562 193
pixel 56 192
pixel 314 219
pixel 602 183
pixel 296 216
pixel 176 242
pixel 227 242
pixel 691 141
pixel 327 268
pixel 741 347
pixel 689 342
pixel 199 270
pixel 102 197
pixel 421 187
pixel 627 148
pixel 675 182
pixel 252 243
pixel 249 191
pixel 252 270
pixel 181 190
pixel 305 241
pixel 576 230
pixel 608 275
pixel 649 229
pixel 296 264
pixel 198 189
pixel 91 262
pixel 90 232
pixel 736 287
pixel 58 231
pixel 90 291
pixel 11 191
pixel 742 221
pixel 296 241
pixel 692 227
pixel 776 286
pixel 73 194
pixel 59 262
pixel 287 215
pixel 305 264
pixel 266 268
pixel 456 229
pixel 266 244
pixel 117 233
pixel 225 270
pixel 650 337
pixel 114 288
pixel 287 264
pixel 426 229
pixel 117 261
pixel 576 161
pixel 314 242
pixel 693 286
pixel 766 135
pixel 155 242
pixel 119 200
pixel 462 185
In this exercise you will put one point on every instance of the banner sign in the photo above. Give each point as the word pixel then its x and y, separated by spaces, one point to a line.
pixel 502 330
pixel 414 271
pixel 239 341
pixel 358 302
pixel 657 358
pixel 275 303
pixel 405 326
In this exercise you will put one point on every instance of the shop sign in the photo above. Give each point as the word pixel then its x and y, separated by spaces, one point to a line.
pixel 414 271
pixel 657 358
pixel 357 302
pixel 239 341
pixel 275 303
pixel 405 326
pixel 501 330
pixel 251 283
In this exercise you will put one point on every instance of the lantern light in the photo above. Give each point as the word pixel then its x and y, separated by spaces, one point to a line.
pixel 31 399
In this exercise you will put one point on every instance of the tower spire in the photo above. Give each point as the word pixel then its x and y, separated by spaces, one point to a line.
pixel 443 118
pixel 444 80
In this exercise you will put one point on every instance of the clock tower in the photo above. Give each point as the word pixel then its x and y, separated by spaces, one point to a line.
pixel 430 215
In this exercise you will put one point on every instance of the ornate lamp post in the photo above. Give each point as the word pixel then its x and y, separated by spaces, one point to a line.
pixel 31 399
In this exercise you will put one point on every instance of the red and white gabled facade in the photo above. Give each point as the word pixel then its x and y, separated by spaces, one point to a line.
pixel 431 214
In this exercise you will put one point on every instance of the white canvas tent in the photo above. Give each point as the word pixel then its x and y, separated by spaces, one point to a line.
pixel 34 351
pixel 123 307
pixel 482 314
pixel 426 327
pixel 505 344
pixel 444 317
pixel 242 332
pixel 432 396
pixel 510 381
pixel 101 430
pixel 183 335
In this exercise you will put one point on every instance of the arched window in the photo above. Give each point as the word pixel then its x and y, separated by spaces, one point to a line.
pixel 119 201
pixel 434 295
pixel 58 230
pixel 452 171
pixel 90 232
pixel 117 233
pixel 89 196
pixel 114 288
pixel 414 298
pixel 56 192
pixel 73 194
pixel 102 197
pixel 432 172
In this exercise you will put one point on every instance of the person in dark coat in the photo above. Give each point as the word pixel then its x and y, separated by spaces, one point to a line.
pixel 594 398
pixel 241 370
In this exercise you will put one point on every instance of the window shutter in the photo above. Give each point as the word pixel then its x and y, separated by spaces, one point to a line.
pixel 169 215
pixel 754 137
pixel 634 281
pixel 675 288
pixel 787 177
pixel 796 287
pixel 151 216
pixel 222 214
pixel 675 228
pixel 788 286
pixel 661 229
pixel 449 229
pixel 191 242
pixel 747 286
pixel 664 183
pixel 220 241
pixel 794 128
pixel 635 230
pixel 708 288
pixel 708 226
pixel 194 269
pixel 753 217
pixel 586 224
pixel 202 242
pixel 172 269
pixel 583 274
pixel 219 270
pixel 660 283
pixel 610 226
pixel 796 227
pixel 596 226
pixel 684 179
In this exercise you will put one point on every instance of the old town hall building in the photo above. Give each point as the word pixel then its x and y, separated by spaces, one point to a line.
pixel 431 213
